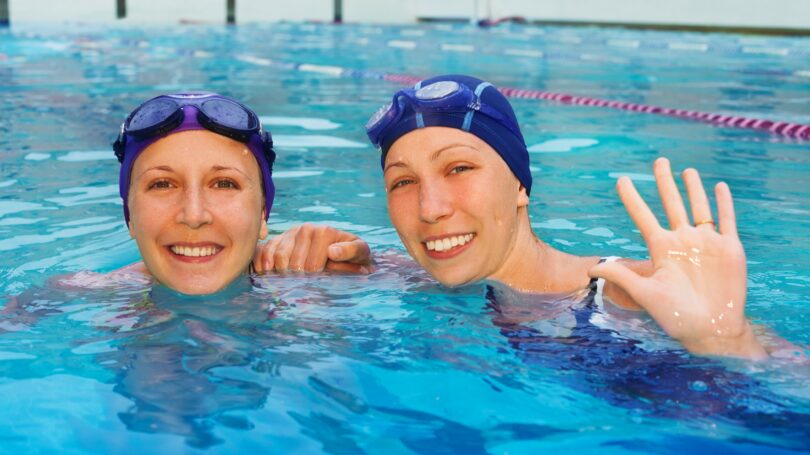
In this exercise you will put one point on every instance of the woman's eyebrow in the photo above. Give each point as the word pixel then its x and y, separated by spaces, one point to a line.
pixel 156 168
pixel 435 155
pixel 217 167
pixel 397 164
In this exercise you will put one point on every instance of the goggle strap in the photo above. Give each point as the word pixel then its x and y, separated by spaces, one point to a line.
pixel 420 120
pixel 468 117
pixel 467 120
pixel 481 88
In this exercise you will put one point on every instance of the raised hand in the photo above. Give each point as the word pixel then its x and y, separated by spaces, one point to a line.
pixel 313 248
pixel 697 291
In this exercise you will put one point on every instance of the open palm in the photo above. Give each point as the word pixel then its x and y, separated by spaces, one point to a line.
pixel 697 291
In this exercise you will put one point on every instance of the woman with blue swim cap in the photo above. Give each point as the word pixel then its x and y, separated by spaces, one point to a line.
pixel 457 178
pixel 196 181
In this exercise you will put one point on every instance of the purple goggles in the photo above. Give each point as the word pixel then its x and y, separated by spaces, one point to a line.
pixel 443 97
pixel 188 111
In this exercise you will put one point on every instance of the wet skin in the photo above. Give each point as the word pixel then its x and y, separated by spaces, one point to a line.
pixel 455 204
pixel 197 210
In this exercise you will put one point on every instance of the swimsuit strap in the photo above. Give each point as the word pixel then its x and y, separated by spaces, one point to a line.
pixel 598 284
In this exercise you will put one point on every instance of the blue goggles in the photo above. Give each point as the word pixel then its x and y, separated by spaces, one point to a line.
pixel 163 114
pixel 442 97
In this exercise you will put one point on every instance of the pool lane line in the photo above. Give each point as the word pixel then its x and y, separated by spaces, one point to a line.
pixel 785 129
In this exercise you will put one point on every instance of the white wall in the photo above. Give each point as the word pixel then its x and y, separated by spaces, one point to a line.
pixel 172 11
pixel 277 10
pixel 731 13
pixel 59 11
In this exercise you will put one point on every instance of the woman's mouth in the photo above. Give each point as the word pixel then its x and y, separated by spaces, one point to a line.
pixel 189 253
pixel 448 246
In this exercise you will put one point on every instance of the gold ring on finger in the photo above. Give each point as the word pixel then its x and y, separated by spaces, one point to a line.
pixel 709 221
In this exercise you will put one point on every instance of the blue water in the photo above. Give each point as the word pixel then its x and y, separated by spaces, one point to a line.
pixel 393 362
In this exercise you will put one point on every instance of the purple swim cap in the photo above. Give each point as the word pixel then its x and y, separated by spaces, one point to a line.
pixel 168 114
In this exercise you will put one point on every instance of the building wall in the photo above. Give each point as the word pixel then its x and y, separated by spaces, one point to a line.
pixel 730 13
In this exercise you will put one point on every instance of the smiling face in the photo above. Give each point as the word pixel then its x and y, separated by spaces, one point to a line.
pixel 196 210
pixel 454 202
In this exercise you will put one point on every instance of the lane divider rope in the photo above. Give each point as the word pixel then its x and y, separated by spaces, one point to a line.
pixel 778 128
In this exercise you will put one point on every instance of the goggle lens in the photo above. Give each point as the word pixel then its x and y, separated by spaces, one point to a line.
pixel 227 113
pixel 151 114
pixel 437 90
pixel 378 116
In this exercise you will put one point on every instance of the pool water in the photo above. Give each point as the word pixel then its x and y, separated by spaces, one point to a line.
pixel 392 362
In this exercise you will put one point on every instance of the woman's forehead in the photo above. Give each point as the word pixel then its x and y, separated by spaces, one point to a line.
pixel 198 148
pixel 425 143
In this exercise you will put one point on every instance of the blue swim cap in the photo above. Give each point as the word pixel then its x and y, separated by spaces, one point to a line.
pixel 455 101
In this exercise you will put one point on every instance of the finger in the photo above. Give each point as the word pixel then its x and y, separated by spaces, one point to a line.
pixel 283 251
pixel 631 282
pixel 698 201
pixel 725 209
pixel 355 251
pixel 298 256
pixel 348 267
pixel 265 258
pixel 258 263
pixel 670 196
pixel 638 210
pixel 319 244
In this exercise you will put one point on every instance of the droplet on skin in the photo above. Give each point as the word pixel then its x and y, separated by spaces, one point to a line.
pixel 713 321
pixel 730 304
pixel 677 255
pixel 695 250
pixel 677 315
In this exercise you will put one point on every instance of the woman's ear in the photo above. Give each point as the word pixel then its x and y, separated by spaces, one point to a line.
pixel 131 230
pixel 523 198
pixel 264 231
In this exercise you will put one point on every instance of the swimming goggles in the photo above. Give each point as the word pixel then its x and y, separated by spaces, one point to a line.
pixel 165 113
pixel 442 97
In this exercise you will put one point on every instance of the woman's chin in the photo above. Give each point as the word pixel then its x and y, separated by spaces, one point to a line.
pixel 197 285
pixel 453 278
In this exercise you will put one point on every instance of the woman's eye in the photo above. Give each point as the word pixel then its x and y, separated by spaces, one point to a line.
pixel 160 185
pixel 401 183
pixel 460 169
pixel 226 184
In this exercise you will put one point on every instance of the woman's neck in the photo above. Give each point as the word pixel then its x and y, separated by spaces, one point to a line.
pixel 534 266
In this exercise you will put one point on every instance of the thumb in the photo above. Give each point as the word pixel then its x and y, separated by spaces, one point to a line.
pixel 631 282
pixel 355 251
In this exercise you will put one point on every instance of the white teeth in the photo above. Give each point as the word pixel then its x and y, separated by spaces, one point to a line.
pixel 448 242
pixel 194 252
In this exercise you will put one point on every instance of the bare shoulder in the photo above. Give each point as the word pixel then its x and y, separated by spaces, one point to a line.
pixel 133 274
pixel 617 295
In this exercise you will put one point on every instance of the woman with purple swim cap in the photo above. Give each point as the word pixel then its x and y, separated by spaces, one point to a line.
pixel 457 178
pixel 196 181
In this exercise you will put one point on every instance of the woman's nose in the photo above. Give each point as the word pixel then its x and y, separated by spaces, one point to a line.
pixel 435 202
pixel 194 211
